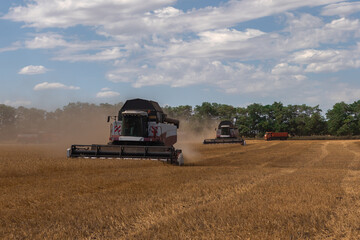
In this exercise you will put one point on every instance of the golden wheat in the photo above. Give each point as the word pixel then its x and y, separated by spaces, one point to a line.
pixel 265 190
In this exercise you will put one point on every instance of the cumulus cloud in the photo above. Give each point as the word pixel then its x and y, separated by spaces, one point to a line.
pixel 234 77
pixel 307 31
pixel 105 55
pixel 317 61
pixel 167 12
pixel 63 14
pixel 223 43
pixel 107 93
pixel 137 17
pixel 139 27
pixel 46 41
pixel 74 50
pixel 285 68
pixel 303 31
pixel 32 70
pixel 341 9
pixel 55 85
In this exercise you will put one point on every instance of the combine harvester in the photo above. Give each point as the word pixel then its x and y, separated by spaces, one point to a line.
pixel 226 133
pixel 140 131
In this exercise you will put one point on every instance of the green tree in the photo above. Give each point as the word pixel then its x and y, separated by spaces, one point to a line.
pixel 341 120
pixel 281 122
pixel 355 111
pixel 183 111
pixel 206 110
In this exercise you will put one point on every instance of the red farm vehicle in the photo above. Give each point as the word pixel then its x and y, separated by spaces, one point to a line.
pixel 276 136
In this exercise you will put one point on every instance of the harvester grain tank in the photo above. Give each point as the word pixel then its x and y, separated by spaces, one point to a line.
pixel 141 130
pixel 276 136
pixel 226 133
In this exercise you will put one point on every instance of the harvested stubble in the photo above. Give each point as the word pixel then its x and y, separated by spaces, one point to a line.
pixel 265 190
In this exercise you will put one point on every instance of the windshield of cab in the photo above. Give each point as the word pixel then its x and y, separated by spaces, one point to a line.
pixel 225 131
pixel 133 126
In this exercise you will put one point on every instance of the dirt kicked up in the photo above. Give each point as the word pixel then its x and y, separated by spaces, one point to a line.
pixel 264 190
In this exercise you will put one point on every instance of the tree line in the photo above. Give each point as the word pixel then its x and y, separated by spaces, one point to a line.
pixel 252 121
pixel 256 119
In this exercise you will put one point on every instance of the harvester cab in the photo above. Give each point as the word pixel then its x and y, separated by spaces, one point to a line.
pixel 134 123
pixel 226 133
pixel 141 130
pixel 143 122
pixel 131 127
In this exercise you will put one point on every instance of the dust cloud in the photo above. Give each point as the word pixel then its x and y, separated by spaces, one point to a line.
pixel 91 127
pixel 191 135
pixel 62 129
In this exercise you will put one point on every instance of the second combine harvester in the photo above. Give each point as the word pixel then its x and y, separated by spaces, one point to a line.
pixel 141 130
pixel 226 133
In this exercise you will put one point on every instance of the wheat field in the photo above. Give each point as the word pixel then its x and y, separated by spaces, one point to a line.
pixel 264 190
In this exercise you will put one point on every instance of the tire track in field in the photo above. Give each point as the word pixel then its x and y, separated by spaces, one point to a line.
pixel 156 218
pixel 324 153
pixel 240 150
pixel 351 186
pixel 294 152
pixel 345 224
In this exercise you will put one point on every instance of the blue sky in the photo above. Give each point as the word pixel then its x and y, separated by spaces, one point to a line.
pixel 53 52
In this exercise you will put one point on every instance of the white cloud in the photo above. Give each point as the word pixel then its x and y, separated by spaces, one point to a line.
pixel 223 36
pixel 124 72
pixel 327 60
pixel 299 77
pixel 284 68
pixel 105 55
pixel 137 17
pixel 306 31
pixel 107 93
pixel 74 50
pixel 226 15
pixel 343 24
pixel 32 70
pixel 231 78
pixel 341 9
pixel 150 29
pixel 55 85
pixel 17 103
pixel 223 43
pixel 167 12
pixel 46 41
pixel 63 14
